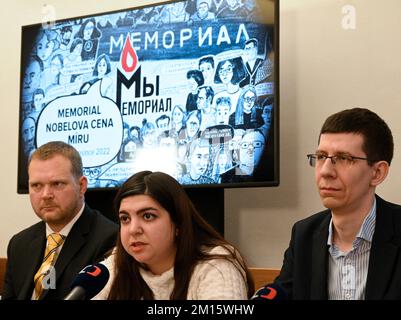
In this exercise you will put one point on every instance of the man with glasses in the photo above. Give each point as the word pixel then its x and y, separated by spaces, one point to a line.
pixel 247 155
pixel 250 151
pixel 352 250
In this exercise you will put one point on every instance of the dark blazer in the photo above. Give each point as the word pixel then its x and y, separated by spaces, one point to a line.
pixel 305 266
pixel 250 74
pixel 89 239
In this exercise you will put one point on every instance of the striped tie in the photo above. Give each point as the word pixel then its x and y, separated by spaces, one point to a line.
pixel 54 240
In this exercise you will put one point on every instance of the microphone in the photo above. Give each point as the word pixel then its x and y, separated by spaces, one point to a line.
pixel 270 292
pixel 88 282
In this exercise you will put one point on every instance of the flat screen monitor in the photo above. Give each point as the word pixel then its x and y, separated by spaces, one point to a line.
pixel 188 87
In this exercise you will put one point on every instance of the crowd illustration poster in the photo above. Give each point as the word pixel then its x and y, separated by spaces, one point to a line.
pixel 186 88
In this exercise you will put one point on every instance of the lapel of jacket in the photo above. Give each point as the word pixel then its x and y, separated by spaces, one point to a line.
pixel 75 240
pixel 319 260
pixel 257 64
pixel 383 252
pixel 34 258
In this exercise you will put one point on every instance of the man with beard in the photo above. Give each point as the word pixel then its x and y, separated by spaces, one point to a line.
pixel 44 259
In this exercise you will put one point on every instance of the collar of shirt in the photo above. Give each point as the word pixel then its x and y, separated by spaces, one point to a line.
pixel 365 232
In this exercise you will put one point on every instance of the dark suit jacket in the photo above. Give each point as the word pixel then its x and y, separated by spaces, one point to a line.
pixel 89 239
pixel 250 75
pixel 304 271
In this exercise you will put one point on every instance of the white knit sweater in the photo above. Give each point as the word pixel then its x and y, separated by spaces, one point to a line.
pixel 216 279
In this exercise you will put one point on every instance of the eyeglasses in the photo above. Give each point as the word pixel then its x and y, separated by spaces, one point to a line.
pixel 226 70
pixel 255 144
pixel 339 160
pixel 249 99
pixel 193 124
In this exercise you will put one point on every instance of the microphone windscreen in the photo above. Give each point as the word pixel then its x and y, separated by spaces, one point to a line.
pixel 92 279
pixel 270 292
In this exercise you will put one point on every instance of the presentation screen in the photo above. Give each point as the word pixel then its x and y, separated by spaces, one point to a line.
pixel 189 88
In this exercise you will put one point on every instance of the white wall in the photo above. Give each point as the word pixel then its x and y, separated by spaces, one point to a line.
pixel 323 69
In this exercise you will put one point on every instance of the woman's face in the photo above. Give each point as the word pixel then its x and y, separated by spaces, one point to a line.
pixel 38 101
pixel 267 114
pixel 178 115
pixel 88 30
pixel 147 232
pixel 226 72
pixel 44 48
pixel 102 68
pixel 192 85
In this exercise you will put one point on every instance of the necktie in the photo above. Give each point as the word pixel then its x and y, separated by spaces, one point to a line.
pixel 54 240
